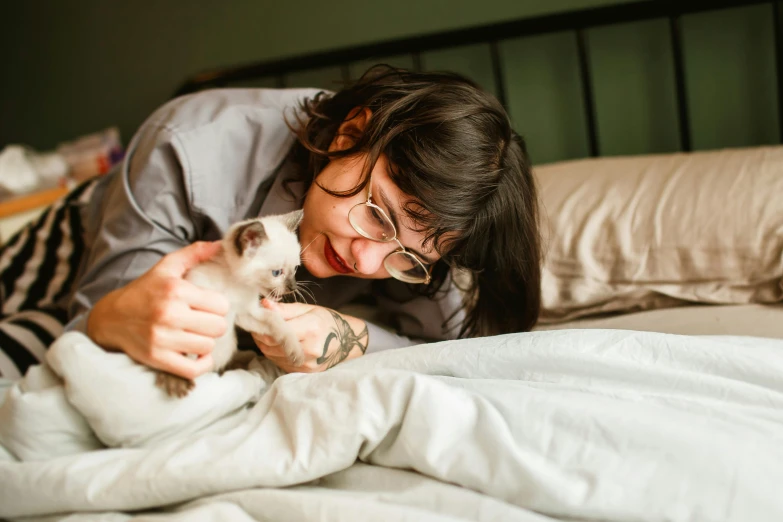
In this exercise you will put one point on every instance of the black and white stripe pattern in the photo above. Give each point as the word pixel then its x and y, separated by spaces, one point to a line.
pixel 24 338
pixel 38 267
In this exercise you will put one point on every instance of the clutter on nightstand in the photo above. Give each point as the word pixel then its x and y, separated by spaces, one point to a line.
pixel 31 180
pixel 24 170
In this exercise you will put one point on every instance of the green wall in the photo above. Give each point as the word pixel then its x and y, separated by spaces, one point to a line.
pixel 730 86
pixel 77 67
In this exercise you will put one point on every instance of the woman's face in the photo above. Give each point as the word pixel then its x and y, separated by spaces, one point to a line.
pixel 331 245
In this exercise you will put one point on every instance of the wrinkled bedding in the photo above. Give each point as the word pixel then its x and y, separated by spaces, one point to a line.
pixel 560 425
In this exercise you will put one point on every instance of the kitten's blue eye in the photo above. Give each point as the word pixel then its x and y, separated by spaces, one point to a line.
pixel 276 273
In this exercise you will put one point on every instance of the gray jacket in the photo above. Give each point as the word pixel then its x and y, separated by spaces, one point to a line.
pixel 201 163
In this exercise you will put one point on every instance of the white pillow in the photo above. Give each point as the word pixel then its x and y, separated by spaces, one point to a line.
pixel 640 232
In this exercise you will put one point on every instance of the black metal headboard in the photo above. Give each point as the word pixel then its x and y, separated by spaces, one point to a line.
pixel 577 22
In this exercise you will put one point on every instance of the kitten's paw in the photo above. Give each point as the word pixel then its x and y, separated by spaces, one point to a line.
pixel 173 385
pixel 293 350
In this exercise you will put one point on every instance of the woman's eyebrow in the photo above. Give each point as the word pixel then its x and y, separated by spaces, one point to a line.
pixel 393 215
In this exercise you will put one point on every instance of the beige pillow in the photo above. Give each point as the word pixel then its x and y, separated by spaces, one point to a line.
pixel 641 232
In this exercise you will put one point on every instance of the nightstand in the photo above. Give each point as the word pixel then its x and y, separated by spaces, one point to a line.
pixel 16 212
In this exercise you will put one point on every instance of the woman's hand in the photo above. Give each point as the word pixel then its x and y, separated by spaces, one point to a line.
pixel 160 318
pixel 327 337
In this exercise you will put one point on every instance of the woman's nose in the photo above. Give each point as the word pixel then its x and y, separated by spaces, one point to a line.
pixel 369 255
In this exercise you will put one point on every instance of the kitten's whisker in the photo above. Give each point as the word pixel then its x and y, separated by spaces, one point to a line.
pixel 305 292
pixel 298 295
pixel 306 284
pixel 310 243
pixel 302 291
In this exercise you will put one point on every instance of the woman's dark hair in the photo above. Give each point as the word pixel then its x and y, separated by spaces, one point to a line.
pixel 450 146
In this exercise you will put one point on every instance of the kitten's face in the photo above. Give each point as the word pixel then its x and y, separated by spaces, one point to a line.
pixel 264 253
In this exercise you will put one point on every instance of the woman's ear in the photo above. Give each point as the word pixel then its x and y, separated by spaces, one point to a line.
pixel 351 129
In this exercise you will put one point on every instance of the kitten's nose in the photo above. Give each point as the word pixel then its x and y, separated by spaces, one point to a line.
pixel 290 286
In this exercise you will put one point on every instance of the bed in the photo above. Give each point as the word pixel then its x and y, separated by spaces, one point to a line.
pixel 650 390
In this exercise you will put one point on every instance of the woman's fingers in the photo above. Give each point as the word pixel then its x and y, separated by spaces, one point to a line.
pixel 201 299
pixel 190 343
pixel 178 364
pixel 202 323
pixel 268 346
pixel 288 311
pixel 168 350
pixel 179 262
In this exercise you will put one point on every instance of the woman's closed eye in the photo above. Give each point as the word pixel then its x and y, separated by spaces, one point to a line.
pixel 377 216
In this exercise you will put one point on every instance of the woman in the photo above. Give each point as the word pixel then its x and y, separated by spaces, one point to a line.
pixel 418 201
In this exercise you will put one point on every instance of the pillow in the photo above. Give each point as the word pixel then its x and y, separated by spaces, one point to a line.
pixel 624 234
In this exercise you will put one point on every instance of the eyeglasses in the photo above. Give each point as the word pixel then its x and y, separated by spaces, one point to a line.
pixel 369 220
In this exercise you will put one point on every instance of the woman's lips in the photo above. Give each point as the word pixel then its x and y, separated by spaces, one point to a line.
pixel 334 260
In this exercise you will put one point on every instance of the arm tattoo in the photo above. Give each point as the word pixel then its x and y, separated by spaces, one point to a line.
pixel 347 340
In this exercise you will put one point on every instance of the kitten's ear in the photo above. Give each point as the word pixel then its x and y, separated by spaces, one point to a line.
pixel 292 219
pixel 249 236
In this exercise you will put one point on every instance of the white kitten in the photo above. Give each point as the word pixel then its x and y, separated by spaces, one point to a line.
pixel 258 259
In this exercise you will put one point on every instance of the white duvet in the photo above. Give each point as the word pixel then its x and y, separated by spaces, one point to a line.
pixel 564 425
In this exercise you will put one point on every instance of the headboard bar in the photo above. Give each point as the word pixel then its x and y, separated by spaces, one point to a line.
pixel 778 31
pixel 679 78
pixel 497 72
pixel 587 93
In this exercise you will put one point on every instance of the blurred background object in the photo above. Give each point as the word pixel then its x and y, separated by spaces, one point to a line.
pixel 31 180
pixel 24 170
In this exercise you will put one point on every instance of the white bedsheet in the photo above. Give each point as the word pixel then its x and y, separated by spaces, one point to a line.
pixel 755 320
pixel 593 424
